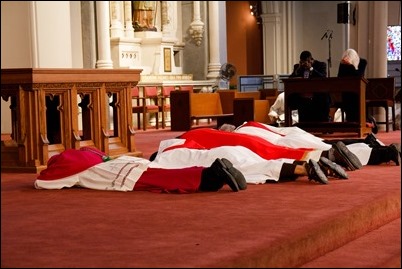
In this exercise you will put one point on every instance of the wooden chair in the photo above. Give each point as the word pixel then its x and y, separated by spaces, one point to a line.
pixel 380 92
pixel 137 104
pixel 151 106
pixel 190 88
pixel 164 106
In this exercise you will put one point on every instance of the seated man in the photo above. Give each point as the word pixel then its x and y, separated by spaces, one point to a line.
pixel 311 107
pixel 277 111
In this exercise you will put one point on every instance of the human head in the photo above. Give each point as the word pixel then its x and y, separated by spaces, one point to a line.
pixel 350 56
pixel 306 59
pixel 305 55
pixel 227 127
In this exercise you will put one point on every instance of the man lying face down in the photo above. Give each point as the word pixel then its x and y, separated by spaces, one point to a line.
pixel 91 168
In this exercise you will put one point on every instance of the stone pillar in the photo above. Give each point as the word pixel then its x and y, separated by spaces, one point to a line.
pixel 378 61
pixel 102 19
pixel 196 26
pixel 271 20
pixel 88 34
pixel 128 20
pixel 116 27
pixel 214 62
pixel 379 34
pixel 169 18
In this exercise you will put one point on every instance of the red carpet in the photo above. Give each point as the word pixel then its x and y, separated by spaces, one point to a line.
pixel 295 224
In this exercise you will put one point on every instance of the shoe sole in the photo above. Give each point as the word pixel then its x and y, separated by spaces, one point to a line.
pixel 318 172
pixel 337 169
pixel 397 147
pixel 347 156
pixel 220 169
pixel 241 181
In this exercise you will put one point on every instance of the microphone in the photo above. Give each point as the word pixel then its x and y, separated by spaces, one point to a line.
pixel 325 35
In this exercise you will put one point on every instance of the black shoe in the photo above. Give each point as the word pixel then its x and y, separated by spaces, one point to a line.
pixel 315 173
pixel 220 170
pixel 371 140
pixel 372 120
pixel 241 181
pixel 332 169
pixel 395 153
pixel 344 156
pixel 331 154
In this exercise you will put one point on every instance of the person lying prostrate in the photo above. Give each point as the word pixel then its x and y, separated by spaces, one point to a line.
pixel 91 168
pixel 209 138
pixel 369 151
pixel 292 137
pixel 181 153
pixel 201 150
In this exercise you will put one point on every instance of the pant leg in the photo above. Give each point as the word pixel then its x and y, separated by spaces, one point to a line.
pixel 350 103
pixel 185 180
pixel 320 104
pixel 306 110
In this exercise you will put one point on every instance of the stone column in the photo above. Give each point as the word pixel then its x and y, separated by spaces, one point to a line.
pixel 271 21
pixel 168 18
pixel 379 34
pixel 378 63
pixel 128 20
pixel 116 27
pixel 102 19
pixel 213 30
pixel 196 26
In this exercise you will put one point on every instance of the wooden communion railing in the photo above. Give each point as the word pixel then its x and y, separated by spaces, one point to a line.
pixel 57 109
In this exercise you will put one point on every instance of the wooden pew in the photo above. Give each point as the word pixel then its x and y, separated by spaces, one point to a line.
pixel 187 107
pixel 248 109
pixel 245 106
pixel 380 92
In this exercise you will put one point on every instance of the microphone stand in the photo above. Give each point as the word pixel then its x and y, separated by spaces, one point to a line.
pixel 329 54
pixel 328 36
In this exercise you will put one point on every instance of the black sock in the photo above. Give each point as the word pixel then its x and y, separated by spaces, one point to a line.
pixel 288 172
pixel 209 181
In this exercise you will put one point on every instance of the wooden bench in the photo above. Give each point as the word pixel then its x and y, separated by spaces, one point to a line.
pixel 380 92
pixel 187 107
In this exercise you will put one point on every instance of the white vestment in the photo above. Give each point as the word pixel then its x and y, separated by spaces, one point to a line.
pixel 118 174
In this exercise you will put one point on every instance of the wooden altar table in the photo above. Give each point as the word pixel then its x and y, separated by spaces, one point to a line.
pixel 57 109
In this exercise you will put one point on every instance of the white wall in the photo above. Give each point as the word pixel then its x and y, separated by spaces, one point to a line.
pixel 53 31
pixel 318 17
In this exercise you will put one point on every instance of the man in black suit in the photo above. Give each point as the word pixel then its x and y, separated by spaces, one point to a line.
pixel 311 107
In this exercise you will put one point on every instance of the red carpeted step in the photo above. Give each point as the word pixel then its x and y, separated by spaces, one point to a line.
pixel 272 225
pixel 380 248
